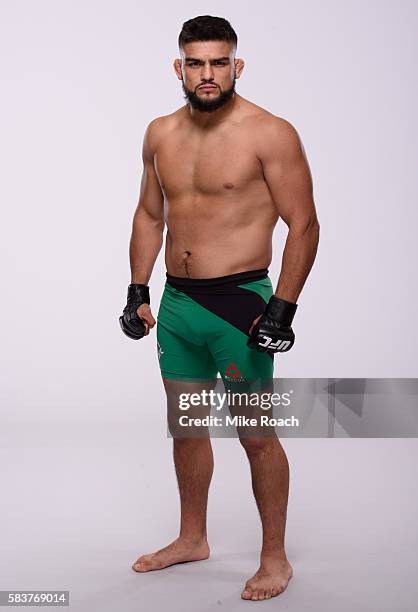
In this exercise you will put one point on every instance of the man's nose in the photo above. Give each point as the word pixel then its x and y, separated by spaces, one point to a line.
pixel 207 72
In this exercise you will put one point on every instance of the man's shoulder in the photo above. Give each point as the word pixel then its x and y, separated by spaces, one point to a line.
pixel 165 122
pixel 272 126
pixel 272 131
pixel 158 127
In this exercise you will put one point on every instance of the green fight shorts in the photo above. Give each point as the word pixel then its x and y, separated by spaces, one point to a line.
pixel 203 326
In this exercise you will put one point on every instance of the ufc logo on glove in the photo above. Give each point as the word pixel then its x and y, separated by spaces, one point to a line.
pixel 279 345
pixel 273 333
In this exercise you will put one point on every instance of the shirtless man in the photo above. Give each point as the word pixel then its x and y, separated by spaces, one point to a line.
pixel 219 172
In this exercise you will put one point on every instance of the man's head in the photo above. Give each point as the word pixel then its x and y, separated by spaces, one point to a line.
pixel 207 46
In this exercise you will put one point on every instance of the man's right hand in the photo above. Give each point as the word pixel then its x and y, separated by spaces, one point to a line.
pixel 137 318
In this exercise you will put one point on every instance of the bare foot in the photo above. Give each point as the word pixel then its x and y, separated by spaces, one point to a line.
pixel 178 551
pixel 270 580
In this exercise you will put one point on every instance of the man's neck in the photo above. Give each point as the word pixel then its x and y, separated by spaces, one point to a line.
pixel 212 119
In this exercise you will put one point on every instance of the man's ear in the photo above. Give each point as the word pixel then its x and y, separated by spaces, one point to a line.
pixel 239 66
pixel 177 68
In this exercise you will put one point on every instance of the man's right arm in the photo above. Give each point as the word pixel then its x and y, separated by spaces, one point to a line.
pixel 148 221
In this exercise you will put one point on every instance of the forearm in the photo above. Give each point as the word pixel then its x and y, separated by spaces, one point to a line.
pixel 298 257
pixel 145 244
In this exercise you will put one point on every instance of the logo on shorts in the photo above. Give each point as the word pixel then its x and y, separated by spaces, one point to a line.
pixel 232 374
pixel 159 350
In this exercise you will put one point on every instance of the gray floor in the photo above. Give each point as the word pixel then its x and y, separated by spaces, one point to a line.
pixel 81 502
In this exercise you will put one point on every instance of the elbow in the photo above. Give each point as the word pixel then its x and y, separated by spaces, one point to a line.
pixel 159 225
pixel 154 227
pixel 310 225
pixel 314 229
pixel 316 226
pixel 306 229
pixel 148 223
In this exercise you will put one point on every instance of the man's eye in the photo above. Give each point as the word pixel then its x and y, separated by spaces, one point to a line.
pixel 219 63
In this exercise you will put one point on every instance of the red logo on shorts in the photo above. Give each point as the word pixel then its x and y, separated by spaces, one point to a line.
pixel 232 371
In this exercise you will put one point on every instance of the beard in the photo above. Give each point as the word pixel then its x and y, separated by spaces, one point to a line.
pixel 208 105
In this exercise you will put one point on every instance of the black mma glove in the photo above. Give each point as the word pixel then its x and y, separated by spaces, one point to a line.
pixel 273 332
pixel 131 324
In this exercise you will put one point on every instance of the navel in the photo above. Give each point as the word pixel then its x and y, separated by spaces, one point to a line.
pixel 186 262
pixel 228 185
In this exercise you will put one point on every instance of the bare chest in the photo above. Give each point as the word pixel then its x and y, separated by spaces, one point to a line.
pixel 211 164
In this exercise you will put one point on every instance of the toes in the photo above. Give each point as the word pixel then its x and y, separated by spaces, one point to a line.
pixel 137 567
pixel 254 595
pixel 254 592
pixel 277 590
pixel 247 593
pixel 142 564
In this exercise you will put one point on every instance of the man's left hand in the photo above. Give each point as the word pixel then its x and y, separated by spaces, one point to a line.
pixel 272 332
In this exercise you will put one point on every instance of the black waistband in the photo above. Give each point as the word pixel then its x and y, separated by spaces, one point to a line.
pixel 180 282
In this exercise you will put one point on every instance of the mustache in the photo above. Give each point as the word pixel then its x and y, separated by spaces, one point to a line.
pixel 207 85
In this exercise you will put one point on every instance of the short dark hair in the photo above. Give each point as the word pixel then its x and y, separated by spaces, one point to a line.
pixel 206 27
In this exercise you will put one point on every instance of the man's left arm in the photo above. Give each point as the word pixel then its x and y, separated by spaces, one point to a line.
pixel 287 174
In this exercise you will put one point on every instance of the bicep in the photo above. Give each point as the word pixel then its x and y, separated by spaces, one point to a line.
pixel 151 198
pixel 287 174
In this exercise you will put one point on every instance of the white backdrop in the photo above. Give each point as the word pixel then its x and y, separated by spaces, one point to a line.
pixel 82 407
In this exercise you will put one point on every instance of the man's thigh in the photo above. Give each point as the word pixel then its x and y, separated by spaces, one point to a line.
pixel 188 407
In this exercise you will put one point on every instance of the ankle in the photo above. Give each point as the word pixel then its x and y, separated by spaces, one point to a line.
pixel 193 539
pixel 273 555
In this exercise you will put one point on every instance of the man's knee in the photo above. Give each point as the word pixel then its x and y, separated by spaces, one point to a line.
pixel 255 445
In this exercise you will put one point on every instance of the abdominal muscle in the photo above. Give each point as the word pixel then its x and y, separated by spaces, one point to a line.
pixel 202 249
